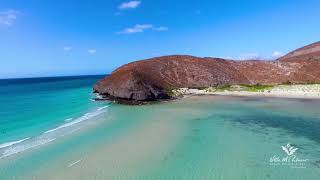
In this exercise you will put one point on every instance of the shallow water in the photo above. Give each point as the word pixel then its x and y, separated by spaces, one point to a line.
pixel 201 137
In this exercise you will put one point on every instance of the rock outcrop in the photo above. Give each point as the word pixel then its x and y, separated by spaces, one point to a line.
pixel 152 79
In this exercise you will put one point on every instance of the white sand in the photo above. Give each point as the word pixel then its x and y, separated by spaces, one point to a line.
pixel 125 157
pixel 311 91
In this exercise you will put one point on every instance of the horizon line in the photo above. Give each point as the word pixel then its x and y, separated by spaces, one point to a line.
pixel 58 76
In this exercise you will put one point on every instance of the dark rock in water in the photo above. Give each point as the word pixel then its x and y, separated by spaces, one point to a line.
pixel 132 87
pixel 152 79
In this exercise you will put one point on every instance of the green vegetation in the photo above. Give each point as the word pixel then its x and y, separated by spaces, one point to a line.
pixel 210 89
pixel 219 88
pixel 307 82
pixel 239 88
pixel 172 92
pixel 312 82
pixel 243 87
pixel 224 87
pixel 257 87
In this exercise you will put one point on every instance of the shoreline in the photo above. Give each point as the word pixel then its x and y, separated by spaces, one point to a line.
pixel 310 91
pixel 301 91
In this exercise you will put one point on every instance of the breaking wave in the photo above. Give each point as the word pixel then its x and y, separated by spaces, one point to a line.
pixel 7 144
pixel 71 125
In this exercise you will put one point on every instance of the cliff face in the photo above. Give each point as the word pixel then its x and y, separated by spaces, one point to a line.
pixel 152 78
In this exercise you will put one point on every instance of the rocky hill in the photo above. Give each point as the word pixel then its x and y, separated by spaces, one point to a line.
pixel 153 79
pixel 309 52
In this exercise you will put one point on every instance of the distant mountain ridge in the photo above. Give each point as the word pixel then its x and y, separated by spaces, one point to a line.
pixel 311 51
pixel 153 78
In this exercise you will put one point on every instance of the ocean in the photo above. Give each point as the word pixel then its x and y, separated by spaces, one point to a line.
pixel 50 128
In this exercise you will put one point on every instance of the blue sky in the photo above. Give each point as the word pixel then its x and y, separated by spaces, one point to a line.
pixel 71 37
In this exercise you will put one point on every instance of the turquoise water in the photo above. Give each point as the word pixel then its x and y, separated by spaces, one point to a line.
pixel 30 107
pixel 200 137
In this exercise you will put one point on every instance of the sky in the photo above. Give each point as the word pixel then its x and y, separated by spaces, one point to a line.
pixel 80 37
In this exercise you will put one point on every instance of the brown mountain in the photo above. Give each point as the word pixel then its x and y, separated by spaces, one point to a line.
pixel 308 52
pixel 152 79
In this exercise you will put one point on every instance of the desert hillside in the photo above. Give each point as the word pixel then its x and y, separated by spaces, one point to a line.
pixel 151 79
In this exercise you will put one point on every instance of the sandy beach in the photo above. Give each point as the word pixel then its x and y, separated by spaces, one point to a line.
pixel 310 91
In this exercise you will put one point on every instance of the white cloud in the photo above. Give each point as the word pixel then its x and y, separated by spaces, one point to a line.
pixel 161 28
pixel 8 17
pixel 277 54
pixel 257 56
pixel 225 57
pixel 129 5
pixel 139 28
pixel 92 51
pixel 249 56
pixel 67 48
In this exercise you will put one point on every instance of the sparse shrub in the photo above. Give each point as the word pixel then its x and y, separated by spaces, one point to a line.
pixel 288 82
pixel 257 87
pixel 223 87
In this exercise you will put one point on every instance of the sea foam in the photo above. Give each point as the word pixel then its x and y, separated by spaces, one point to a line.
pixel 80 119
pixel 24 146
pixel 7 144
pixel 14 147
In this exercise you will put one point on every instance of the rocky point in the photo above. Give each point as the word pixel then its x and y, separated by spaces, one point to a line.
pixel 154 78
